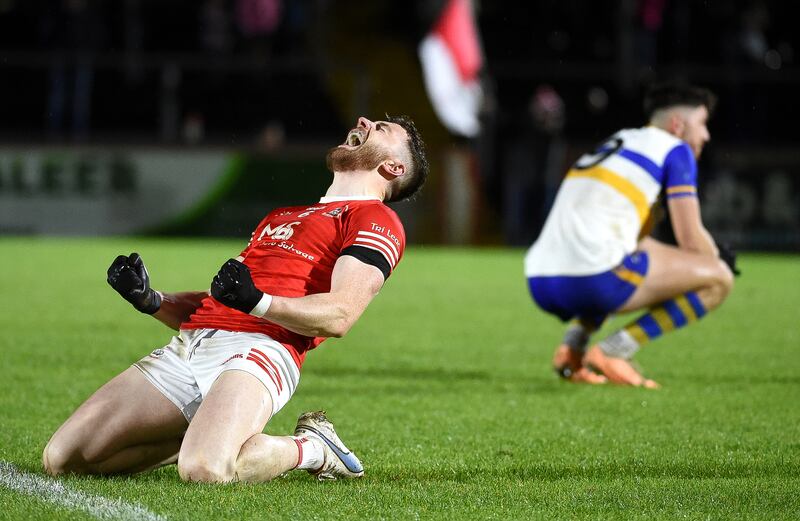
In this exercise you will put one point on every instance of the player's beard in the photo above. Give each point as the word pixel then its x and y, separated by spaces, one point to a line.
pixel 366 157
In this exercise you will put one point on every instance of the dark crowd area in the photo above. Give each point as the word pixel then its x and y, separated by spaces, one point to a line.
pixel 216 69
pixel 558 77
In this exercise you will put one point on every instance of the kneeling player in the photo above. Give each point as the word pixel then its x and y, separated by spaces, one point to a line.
pixel 591 261
pixel 308 273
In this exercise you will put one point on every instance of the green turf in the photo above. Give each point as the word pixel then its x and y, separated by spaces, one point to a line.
pixel 444 390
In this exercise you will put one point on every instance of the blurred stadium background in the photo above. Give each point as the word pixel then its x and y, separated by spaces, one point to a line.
pixel 194 118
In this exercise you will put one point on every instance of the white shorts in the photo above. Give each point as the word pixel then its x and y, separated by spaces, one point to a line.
pixel 185 369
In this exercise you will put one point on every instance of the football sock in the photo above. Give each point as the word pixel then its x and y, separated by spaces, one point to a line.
pixel 310 455
pixel 665 317
pixel 576 337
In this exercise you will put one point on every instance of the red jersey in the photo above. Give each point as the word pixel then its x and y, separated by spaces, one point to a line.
pixel 292 253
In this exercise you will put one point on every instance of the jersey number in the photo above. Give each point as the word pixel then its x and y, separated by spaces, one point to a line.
pixel 608 148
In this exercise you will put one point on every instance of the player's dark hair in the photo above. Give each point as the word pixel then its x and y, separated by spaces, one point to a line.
pixel 666 95
pixel 410 183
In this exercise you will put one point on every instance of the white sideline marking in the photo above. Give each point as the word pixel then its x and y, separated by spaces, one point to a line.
pixel 53 491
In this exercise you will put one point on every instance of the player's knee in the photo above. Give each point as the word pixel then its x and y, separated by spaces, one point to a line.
pixel 52 459
pixel 723 283
pixel 726 279
pixel 718 288
pixel 59 458
pixel 204 470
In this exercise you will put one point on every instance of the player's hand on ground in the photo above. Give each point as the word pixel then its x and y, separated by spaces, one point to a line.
pixel 234 287
pixel 128 276
pixel 650 384
pixel 585 376
pixel 618 370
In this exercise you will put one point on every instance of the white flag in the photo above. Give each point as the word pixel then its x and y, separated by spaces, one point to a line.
pixel 451 62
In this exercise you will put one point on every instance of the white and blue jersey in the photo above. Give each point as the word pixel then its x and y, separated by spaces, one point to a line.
pixel 598 215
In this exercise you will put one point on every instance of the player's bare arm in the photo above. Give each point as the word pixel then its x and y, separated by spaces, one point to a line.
pixel 688 228
pixel 353 286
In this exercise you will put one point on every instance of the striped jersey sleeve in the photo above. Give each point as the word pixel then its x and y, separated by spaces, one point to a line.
pixel 680 173
pixel 374 235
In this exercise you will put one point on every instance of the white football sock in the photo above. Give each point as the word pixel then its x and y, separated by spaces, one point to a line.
pixel 619 345
pixel 576 337
pixel 310 453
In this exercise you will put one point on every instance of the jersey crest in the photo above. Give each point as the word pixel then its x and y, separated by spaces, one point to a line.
pixel 279 233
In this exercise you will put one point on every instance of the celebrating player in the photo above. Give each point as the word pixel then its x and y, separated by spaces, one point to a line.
pixel 593 257
pixel 308 273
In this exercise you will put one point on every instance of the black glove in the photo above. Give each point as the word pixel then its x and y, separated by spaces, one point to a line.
pixel 129 277
pixel 234 287
pixel 728 256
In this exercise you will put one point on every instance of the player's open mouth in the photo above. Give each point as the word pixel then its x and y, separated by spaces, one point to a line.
pixel 356 137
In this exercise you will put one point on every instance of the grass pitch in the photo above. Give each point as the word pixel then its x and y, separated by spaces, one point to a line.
pixel 443 389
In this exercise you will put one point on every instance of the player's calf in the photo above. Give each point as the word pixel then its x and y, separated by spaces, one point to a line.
pixel 201 469
pixel 265 457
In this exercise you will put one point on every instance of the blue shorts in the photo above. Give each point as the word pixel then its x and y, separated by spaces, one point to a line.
pixel 590 297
